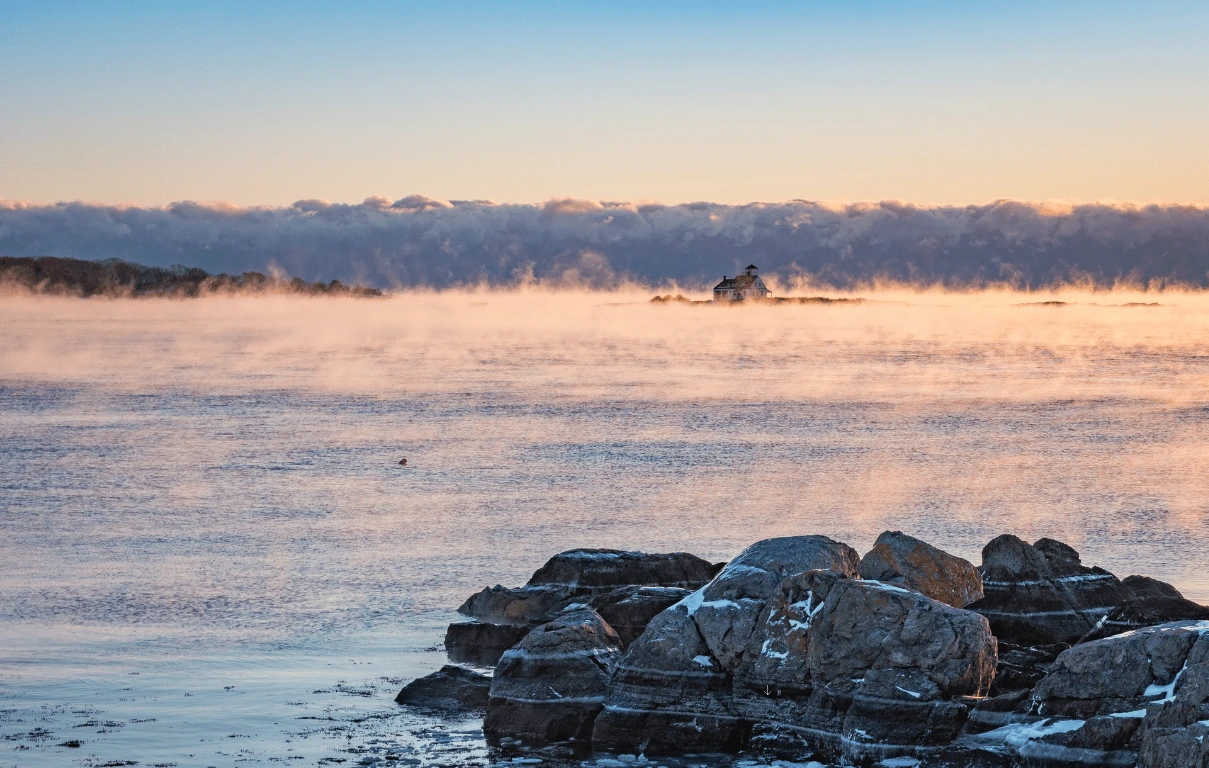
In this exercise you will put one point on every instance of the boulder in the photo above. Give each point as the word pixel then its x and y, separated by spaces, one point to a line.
pixel 1041 594
pixel 1140 698
pixel 1176 748
pixel 629 609
pixel 860 671
pixel 521 606
pixel 910 660
pixel 609 568
pixel 1173 732
pixel 869 626
pixel 822 665
pixel 726 610
pixel 451 689
pixel 672 691
pixel 1149 602
pixel 550 687
pixel 775 665
pixel 481 643
pixel 899 559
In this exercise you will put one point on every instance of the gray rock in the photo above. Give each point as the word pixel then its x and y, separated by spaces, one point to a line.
pixel 759 570
pixel 481 643
pixel 550 687
pixel 868 625
pixel 1177 723
pixel 451 689
pixel 899 559
pixel 1022 667
pixel 1176 747
pixel 775 664
pixel 1042 594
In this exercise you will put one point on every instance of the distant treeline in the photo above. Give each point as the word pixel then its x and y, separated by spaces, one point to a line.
pixel 116 278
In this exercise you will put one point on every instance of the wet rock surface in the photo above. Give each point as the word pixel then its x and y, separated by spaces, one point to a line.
pixel 451 689
pixel 1042 594
pixel 899 559
pixel 552 684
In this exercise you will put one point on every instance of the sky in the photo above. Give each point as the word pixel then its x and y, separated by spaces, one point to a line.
pixel 937 103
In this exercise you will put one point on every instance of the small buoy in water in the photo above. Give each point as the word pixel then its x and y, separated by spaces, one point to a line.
pixel 403 463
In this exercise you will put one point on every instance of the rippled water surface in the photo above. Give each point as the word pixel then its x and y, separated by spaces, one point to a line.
pixel 210 555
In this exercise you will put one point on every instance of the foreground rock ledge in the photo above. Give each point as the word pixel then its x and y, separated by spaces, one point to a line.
pixel 794 649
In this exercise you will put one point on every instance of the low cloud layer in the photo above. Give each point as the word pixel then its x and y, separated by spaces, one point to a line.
pixel 418 241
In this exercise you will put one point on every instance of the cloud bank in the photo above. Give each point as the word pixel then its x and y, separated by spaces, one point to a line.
pixel 419 241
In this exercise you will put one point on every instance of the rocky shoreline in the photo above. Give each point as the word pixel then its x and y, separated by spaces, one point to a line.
pixel 801 649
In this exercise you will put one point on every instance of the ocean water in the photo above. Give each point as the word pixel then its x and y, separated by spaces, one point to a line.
pixel 210 556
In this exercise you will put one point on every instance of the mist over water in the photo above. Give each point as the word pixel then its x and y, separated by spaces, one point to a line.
pixel 201 494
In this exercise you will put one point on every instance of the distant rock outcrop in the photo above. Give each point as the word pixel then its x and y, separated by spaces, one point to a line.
pixel 114 278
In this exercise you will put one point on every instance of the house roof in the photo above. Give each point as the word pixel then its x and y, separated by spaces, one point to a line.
pixel 752 266
pixel 736 283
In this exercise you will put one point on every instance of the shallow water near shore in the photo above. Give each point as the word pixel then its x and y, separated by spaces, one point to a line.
pixel 211 556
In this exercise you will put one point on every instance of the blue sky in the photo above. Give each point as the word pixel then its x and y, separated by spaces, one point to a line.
pixel 935 102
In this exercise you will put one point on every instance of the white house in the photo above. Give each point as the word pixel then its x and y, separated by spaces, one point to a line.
pixel 741 287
